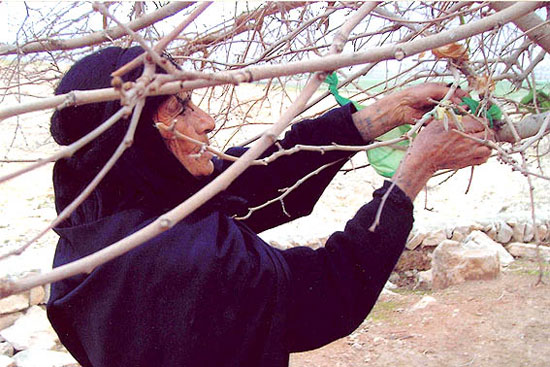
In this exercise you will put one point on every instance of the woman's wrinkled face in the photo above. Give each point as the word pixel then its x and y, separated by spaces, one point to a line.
pixel 181 116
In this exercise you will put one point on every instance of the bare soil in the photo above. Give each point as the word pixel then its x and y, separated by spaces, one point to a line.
pixel 502 322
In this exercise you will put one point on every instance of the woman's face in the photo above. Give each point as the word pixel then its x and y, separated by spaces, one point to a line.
pixel 181 115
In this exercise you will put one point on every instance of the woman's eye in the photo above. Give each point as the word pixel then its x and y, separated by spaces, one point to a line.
pixel 173 108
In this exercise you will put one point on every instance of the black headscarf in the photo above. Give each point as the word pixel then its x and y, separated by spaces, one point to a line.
pixel 147 176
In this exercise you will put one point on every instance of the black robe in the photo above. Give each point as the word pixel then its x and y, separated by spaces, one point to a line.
pixel 209 291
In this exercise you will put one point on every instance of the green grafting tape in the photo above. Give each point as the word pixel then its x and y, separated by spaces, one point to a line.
pixel 493 113
pixel 384 160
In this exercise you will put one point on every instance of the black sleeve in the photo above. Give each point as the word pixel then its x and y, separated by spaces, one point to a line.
pixel 335 287
pixel 259 184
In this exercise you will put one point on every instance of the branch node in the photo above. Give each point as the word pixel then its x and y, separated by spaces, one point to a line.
pixel 322 75
pixel 70 100
pixel 127 86
pixel 117 83
pixel 271 136
pixel 399 54
pixel 165 223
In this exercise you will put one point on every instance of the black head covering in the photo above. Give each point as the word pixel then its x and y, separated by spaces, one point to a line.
pixel 147 176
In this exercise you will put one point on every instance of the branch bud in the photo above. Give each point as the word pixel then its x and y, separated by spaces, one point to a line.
pixel 165 223
pixel 117 82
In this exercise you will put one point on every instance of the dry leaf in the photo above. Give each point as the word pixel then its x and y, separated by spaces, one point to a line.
pixel 483 84
pixel 453 51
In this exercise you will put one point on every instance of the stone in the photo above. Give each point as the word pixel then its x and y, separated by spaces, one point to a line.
pixel 423 303
pixel 47 291
pixel 434 238
pixel 529 233
pixel 6 361
pixel 504 233
pixel 44 358
pixel 519 230
pixel 528 251
pixel 32 330
pixel 492 232
pixel 389 285
pixel 415 240
pixel 394 277
pixel 280 246
pixel 14 303
pixel 542 231
pixel 37 295
pixel 459 234
pixel 449 232
pixel 6 349
pixel 478 239
pixel 8 319
pixel 387 295
pixel 454 263
pixel 424 280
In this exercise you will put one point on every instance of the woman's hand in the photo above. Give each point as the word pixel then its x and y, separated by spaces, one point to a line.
pixel 400 108
pixel 449 149
pixel 435 148
pixel 413 102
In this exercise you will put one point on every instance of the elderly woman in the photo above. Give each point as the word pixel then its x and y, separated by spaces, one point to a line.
pixel 209 291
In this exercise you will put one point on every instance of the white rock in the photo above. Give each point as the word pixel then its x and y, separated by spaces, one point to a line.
pixel 44 358
pixel 542 231
pixel 434 238
pixel 454 263
pixel 389 285
pixel 505 233
pixel 14 303
pixel 6 361
pixel 459 235
pixel 529 233
pixel 528 251
pixel 425 280
pixel 519 231
pixel 8 319
pixel 415 240
pixel 32 330
pixel 478 239
pixel 423 303
pixel 492 232
pixel 6 349
pixel 36 295
pixel 386 294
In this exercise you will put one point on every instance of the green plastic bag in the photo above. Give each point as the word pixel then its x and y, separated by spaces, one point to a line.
pixel 384 160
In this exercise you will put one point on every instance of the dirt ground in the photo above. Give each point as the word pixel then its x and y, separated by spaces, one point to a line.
pixel 503 322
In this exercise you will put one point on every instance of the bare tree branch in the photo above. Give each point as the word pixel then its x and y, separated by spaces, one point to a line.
pixel 97 37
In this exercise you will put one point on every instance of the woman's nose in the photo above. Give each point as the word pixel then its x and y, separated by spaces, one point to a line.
pixel 204 122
